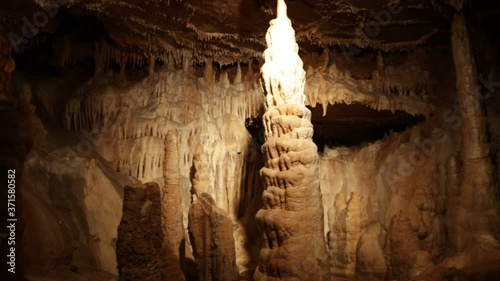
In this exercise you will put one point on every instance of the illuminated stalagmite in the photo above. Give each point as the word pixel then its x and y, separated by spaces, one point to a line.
pixel 291 219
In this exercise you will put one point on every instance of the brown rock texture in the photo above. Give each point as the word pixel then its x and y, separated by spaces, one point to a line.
pixel 370 260
pixel 211 234
pixel 7 64
pixel 143 250
pixel 72 209
pixel 337 235
pixel 348 223
pixel 171 198
pixel 401 245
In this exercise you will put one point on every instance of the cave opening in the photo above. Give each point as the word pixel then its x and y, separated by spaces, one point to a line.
pixel 352 125
pixel 347 125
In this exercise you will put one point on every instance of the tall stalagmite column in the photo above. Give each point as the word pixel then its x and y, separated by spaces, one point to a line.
pixel 291 220
pixel 171 197
pixel 7 64
pixel 476 178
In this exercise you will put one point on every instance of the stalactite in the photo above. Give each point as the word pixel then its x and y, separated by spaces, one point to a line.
pixel 476 178
pixel 291 220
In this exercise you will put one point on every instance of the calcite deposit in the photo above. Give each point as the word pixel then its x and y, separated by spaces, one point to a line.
pixel 153 258
pixel 211 233
pixel 291 219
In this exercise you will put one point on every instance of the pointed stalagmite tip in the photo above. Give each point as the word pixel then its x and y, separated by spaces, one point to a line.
pixel 281 9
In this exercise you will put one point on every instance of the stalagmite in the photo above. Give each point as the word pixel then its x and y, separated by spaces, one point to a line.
pixel 148 259
pixel 171 197
pixel 7 64
pixel 401 245
pixel 291 220
pixel 337 235
pixel 347 226
pixel 200 166
pixel 211 234
pixel 370 260
pixel 476 178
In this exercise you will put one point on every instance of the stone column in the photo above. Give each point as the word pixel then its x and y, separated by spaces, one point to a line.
pixel 476 175
pixel 171 202
pixel 291 221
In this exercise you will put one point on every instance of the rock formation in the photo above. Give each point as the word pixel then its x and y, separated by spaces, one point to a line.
pixel 73 217
pixel 401 245
pixel 291 220
pixel 171 201
pixel 346 226
pixel 476 174
pixel 211 233
pixel 153 258
pixel 370 259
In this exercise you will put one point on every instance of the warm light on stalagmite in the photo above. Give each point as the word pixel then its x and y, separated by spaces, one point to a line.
pixel 291 220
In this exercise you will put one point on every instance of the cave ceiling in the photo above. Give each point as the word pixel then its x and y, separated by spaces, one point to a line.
pixel 230 31
pixel 234 30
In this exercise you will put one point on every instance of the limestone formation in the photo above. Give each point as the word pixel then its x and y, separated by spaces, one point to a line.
pixel 420 261
pixel 346 226
pixel 211 234
pixel 370 259
pixel 401 245
pixel 171 201
pixel 145 259
pixel 291 220
pixel 476 174
pixel 337 235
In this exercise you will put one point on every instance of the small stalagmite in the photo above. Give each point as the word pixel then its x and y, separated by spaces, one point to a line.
pixel 138 258
pixel 402 243
pixel 291 220
pixel 346 228
pixel 211 234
